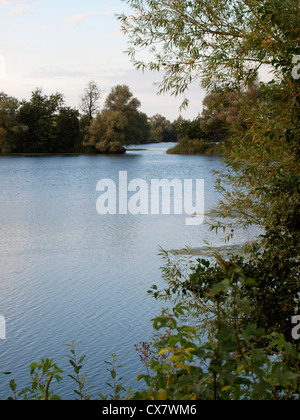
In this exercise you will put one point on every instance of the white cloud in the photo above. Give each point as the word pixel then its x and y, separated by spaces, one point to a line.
pixel 8 2
pixel 109 12
pixel 21 11
pixel 75 20
pixel 56 72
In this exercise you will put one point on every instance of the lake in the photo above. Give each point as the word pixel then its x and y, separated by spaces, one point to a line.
pixel 68 273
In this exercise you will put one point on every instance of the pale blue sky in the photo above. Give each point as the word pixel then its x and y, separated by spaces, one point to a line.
pixel 62 45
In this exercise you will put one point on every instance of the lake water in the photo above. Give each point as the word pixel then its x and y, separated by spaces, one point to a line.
pixel 67 273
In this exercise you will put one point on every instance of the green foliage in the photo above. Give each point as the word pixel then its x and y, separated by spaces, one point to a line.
pixel 41 374
pixel 224 44
pixel 195 147
pixel 163 130
pixel 116 386
pixel 118 124
pixel 191 129
pixel 82 391
pixel 204 346
pixel 106 133
pixel 136 128
pixel 219 42
pixel 261 154
pixel 222 113
pixel 67 131
pixel 44 124
pixel 121 99
pixel 39 116
pixel 191 139
pixel 10 128
pixel 224 357
pixel 260 186
pixel 226 331
pixel 41 125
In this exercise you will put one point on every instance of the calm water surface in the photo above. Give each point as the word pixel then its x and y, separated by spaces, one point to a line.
pixel 67 273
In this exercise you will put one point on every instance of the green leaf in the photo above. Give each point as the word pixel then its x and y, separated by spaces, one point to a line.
pixel 13 385
pixel 113 373
pixel 221 287
pixel 55 398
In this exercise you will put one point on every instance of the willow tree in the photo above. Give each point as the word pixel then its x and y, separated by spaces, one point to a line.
pixel 225 44
pixel 220 42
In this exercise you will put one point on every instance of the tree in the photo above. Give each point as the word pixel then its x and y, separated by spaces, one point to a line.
pixel 51 127
pixel 162 129
pixel 67 130
pixel 38 115
pixel 224 43
pixel 106 133
pixel 191 139
pixel 122 100
pixel 222 112
pixel 10 128
pixel 138 129
pixel 119 123
pixel 191 129
pixel 89 100
pixel 220 42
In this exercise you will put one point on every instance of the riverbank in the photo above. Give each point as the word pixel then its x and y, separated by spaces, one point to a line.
pixel 57 154
pixel 196 147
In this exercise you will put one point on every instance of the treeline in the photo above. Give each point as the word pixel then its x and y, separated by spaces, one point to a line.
pixel 42 125
pixel 120 123
pixel 45 124
pixel 222 116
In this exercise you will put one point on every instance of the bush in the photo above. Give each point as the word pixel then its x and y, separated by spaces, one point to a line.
pixel 195 147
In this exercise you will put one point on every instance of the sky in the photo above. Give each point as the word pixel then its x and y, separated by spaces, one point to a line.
pixel 60 46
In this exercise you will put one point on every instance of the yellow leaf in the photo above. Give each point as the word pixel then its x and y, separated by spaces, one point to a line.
pixel 189 351
pixel 226 388
pixel 164 351
pixel 162 395
pixel 184 367
pixel 240 368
